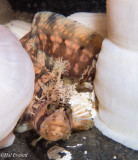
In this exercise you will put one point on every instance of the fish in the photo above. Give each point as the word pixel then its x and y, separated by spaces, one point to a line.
pixel 58 47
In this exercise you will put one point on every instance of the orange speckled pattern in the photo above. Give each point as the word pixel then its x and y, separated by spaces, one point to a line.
pixel 58 36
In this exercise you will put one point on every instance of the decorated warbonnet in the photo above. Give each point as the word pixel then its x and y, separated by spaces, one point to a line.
pixel 64 53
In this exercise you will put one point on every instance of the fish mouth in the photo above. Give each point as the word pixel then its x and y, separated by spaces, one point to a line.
pixel 56 126
pixel 56 133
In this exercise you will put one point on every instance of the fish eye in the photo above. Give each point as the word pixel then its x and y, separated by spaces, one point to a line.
pixel 49 109
pixel 48 106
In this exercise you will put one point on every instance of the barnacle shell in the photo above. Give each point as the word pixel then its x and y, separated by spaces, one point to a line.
pixel 16 84
pixel 83 111
pixel 116 81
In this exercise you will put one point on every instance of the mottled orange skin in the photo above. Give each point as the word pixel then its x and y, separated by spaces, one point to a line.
pixel 58 36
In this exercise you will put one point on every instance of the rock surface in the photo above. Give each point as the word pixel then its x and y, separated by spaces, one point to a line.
pixel 88 145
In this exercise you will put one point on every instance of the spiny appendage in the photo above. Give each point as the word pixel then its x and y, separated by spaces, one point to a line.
pixel 49 83
pixel 60 37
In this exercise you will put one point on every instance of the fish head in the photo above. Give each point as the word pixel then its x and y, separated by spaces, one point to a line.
pixel 53 121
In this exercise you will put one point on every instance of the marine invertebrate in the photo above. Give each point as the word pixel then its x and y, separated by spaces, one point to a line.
pixel 16 83
pixel 116 78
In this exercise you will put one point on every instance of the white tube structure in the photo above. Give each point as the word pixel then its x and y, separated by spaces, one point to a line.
pixel 116 81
